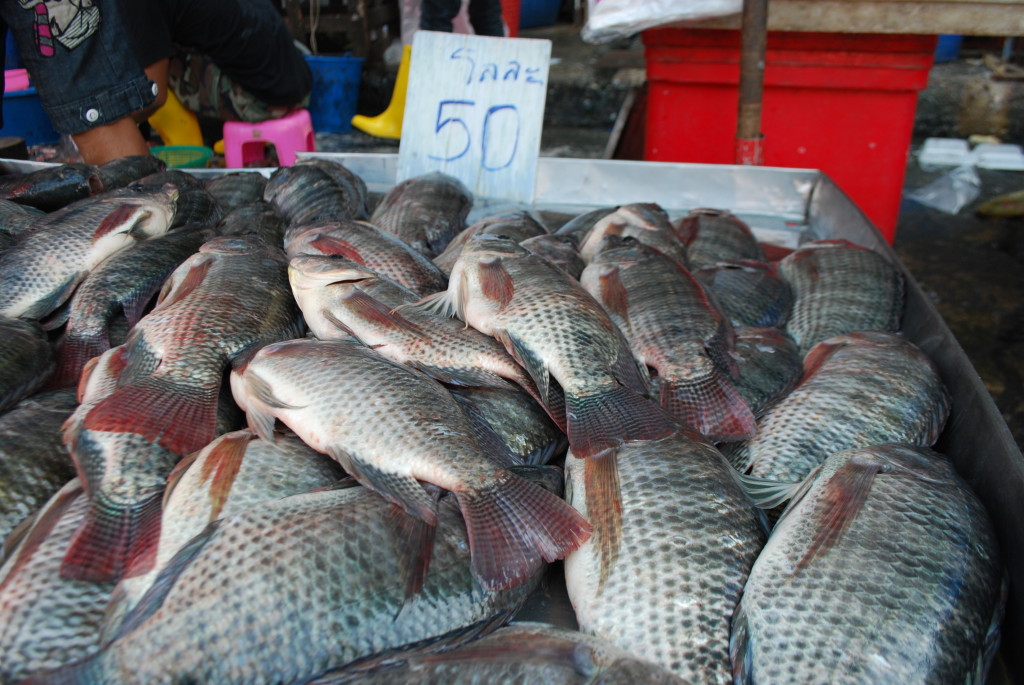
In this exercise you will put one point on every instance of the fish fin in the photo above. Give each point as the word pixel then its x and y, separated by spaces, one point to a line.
pixel 535 367
pixel 24 541
pixel 52 302
pixel 399 489
pixel 379 314
pixel 332 246
pixel 604 508
pixel 469 377
pixel 111 538
pixel 338 323
pixel 542 455
pixel 439 304
pixel 179 417
pixel 117 218
pixel 765 493
pixel 176 474
pixel 116 363
pixel 262 391
pixel 710 405
pixel 75 353
pixel 495 282
pixel 57 317
pixel 494 447
pixel 819 354
pixel 513 525
pixel 607 419
pixel 175 290
pixel 741 652
pixel 414 547
pixel 627 370
pixel 843 497
pixel 223 460
pixel 614 295
pixel 134 304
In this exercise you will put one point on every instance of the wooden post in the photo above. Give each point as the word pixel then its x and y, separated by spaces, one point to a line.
pixel 749 140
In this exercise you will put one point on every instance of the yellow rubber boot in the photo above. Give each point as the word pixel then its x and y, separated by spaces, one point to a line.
pixel 388 124
pixel 176 124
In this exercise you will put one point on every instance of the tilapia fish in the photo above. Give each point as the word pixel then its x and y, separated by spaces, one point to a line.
pixel 769 365
pixel 885 570
pixel 644 222
pixel 688 540
pixel 236 189
pixel 562 336
pixel 52 188
pixel 674 328
pixel 716 235
pixel 339 299
pixel 194 206
pixel 514 225
pixel 216 309
pixel 391 427
pixel 259 218
pixel 520 653
pixel 33 462
pixel 123 171
pixel 41 270
pixel 748 291
pixel 364 244
pixel 560 250
pixel 426 212
pixel 839 287
pixel 316 581
pixel 26 360
pixel 313 193
pixel 234 472
pixel 48 621
pixel 857 390
pixel 123 284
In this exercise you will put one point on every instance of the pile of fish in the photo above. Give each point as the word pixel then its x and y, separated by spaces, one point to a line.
pixel 283 431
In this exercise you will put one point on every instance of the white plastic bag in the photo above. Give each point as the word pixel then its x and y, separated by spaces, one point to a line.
pixel 951 192
pixel 611 19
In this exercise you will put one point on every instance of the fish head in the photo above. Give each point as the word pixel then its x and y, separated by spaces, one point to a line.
pixel 307 272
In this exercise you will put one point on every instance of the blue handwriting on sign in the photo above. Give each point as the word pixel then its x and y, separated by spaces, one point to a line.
pixel 498 131
pixel 513 70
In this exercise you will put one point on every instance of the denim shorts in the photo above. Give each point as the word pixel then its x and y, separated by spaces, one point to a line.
pixel 80 59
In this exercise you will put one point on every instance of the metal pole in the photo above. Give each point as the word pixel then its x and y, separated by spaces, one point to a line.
pixel 749 140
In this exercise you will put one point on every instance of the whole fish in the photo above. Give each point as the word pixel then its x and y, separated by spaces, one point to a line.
pixel 339 299
pixel 234 472
pixel 307 193
pixel 561 335
pixel 236 189
pixel 316 581
pixel 749 292
pixel 839 287
pixel 216 309
pixel 33 462
pixel 195 205
pixel 769 365
pixel 123 284
pixel 514 418
pixel 644 222
pixel 884 570
pixel 52 188
pixel 40 271
pixel 391 428
pixel 425 212
pixel 26 360
pixel 123 171
pixel 857 390
pixel 558 249
pixel 48 621
pixel 364 244
pixel 716 235
pixel 674 328
pixel 259 218
pixel 523 652
pixel 514 225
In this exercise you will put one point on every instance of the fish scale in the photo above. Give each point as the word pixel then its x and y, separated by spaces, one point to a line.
pixel 908 594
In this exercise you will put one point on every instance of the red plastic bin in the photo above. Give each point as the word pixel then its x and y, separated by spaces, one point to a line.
pixel 841 103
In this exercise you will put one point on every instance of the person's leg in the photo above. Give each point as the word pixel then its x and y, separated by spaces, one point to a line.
pixel 485 16
pixel 437 15
pixel 104 143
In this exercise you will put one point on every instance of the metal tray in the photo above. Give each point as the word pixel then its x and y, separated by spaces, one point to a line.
pixel 785 207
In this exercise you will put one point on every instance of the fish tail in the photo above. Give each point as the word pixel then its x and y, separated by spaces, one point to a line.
pixel 113 538
pixel 607 419
pixel 512 524
pixel 181 418
pixel 712 406
pixel 75 353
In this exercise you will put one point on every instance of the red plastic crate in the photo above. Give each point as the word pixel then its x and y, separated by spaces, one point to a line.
pixel 841 103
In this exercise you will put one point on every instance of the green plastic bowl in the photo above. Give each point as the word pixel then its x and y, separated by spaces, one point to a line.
pixel 183 156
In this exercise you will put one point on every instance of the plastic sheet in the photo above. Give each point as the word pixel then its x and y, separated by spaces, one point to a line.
pixel 611 19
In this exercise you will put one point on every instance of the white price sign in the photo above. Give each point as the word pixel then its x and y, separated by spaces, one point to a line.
pixel 475 110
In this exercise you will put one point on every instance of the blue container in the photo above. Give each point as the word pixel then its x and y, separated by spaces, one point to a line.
pixel 538 13
pixel 948 47
pixel 24 117
pixel 332 103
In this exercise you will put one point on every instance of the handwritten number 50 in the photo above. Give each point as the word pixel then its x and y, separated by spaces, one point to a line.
pixel 505 146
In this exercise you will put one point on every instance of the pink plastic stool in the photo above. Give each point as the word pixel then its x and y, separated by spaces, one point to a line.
pixel 243 142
